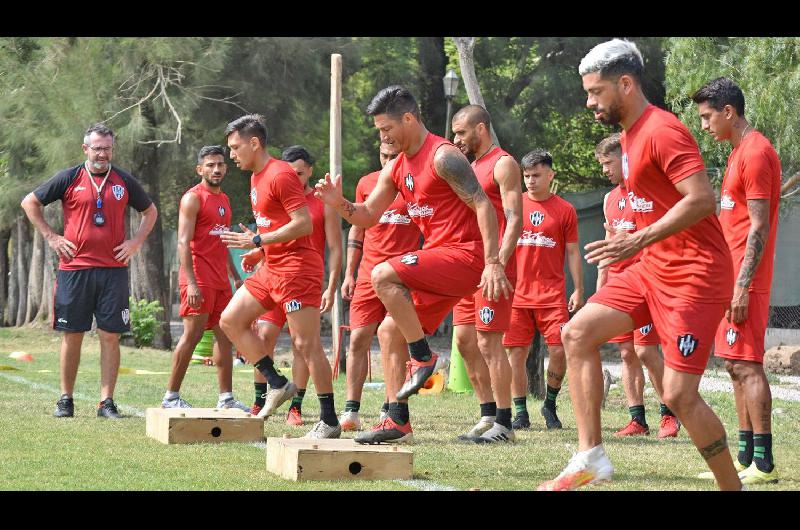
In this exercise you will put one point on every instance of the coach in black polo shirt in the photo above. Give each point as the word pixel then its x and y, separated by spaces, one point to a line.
pixel 92 275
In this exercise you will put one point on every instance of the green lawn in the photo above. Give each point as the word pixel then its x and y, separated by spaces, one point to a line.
pixel 39 452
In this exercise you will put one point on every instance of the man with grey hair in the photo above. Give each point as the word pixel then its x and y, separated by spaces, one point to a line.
pixel 92 278
pixel 682 284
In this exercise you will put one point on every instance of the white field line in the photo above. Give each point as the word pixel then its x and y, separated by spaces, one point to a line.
pixel 76 395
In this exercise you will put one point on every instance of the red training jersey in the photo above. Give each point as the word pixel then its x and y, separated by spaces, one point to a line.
pixel 547 227
pixel 209 253
pixel 440 214
pixel 753 172
pixel 694 264
pixel 484 170
pixel 95 244
pixel 395 233
pixel 276 192
pixel 619 214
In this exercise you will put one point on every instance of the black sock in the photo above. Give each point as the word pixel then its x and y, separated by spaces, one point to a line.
pixel 297 400
pixel 762 452
pixel 385 407
pixel 550 400
pixel 637 414
pixel 745 456
pixel 327 410
pixel 399 413
pixel 261 393
pixel 267 368
pixel 420 350
pixel 504 417
pixel 664 410
pixel 520 407
pixel 489 409
pixel 352 406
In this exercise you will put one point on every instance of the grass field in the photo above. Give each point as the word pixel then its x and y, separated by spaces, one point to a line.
pixel 39 452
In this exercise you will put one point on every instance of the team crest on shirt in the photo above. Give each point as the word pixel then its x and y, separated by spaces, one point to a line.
pixel 726 202
pixel 537 218
pixel 486 314
pixel 410 182
pixel 625 165
pixel 253 196
pixel 621 204
pixel 292 306
pixel 644 330
pixel 118 191
pixel 731 336
pixel 126 316
pixel 221 211
pixel 409 259
pixel 687 344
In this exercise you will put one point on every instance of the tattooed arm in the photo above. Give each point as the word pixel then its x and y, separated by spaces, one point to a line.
pixel 509 178
pixel 355 249
pixel 754 251
pixel 363 214
pixel 452 166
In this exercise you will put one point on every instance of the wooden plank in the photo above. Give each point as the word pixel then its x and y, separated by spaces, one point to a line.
pixel 342 459
pixel 178 426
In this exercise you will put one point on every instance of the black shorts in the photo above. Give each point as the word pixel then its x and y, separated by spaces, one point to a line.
pixel 102 292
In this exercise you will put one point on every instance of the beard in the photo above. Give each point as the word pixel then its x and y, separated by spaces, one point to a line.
pixel 212 183
pixel 612 115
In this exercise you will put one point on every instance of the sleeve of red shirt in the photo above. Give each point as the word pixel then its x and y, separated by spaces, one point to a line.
pixel 675 151
pixel 55 188
pixel 287 189
pixel 360 190
pixel 757 174
pixel 571 225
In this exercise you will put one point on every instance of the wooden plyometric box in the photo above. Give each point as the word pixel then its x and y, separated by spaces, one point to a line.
pixel 195 425
pixel 310 459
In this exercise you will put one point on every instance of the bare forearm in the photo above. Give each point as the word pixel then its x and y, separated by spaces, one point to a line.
pixel 684 214
pixel 35 212
pixel 149 217
pixel 487 222
pixel 185 257
pixel 754 251
pixel 232 272
pixel 357 214
pixel 511 236
pixel 334 265
pixel 576 270
pixel 355 249
pixel 294 229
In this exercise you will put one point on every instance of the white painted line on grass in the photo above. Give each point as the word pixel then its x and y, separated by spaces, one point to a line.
pixel 425 485
pixel 57 391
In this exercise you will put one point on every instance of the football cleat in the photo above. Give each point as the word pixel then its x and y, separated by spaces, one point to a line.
pixel 387 431
pixel 669 427
pixel 581 470
pixel 417 373
pixel 634 428
pixel 483 425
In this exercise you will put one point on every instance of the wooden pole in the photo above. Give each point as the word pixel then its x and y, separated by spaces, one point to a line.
pixel 335 171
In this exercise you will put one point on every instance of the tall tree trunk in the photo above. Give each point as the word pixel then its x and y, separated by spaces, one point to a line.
pixel 466 63
pixel 432 62
pixel 35 277
pixel 148 277
pixel 45 313
pixel 22 259
pixel 5 237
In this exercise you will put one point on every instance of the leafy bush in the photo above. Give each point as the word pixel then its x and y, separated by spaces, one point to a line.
pixel 144 321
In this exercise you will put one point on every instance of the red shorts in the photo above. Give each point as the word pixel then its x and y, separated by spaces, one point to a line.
pixel 686 327
pixel 745 341
pixel 643 336
pixel 365 307
pixel 526 320
pixel 291 293
pixel 438 279
pixel 214 303
pixel 276 315
pixel 485 314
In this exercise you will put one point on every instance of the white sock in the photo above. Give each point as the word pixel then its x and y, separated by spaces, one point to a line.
pixel 595 452
pixel 225 396
pixel 169 395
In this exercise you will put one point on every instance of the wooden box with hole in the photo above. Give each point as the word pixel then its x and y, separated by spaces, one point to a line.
pixel 194 425
pixel 310 459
